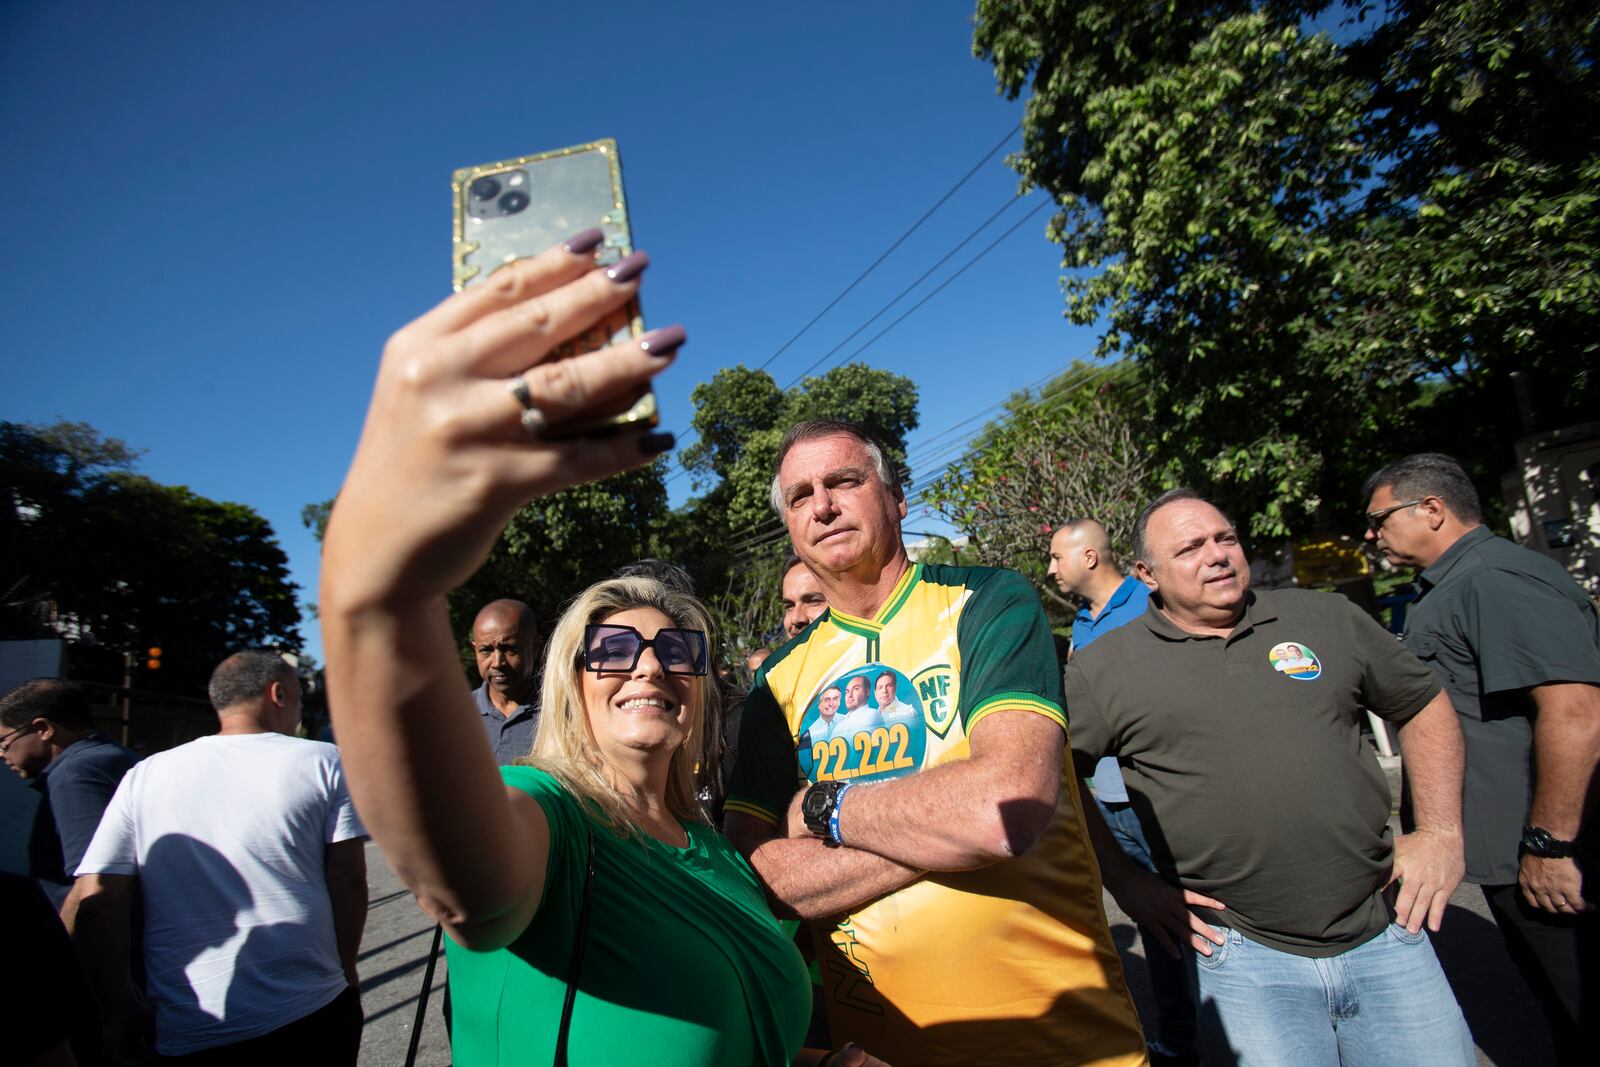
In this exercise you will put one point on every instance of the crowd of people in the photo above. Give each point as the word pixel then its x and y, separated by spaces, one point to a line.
pixel 890 845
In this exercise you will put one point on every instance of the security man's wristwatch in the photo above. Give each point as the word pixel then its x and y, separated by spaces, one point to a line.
pixel 817 808
pixel 1537 841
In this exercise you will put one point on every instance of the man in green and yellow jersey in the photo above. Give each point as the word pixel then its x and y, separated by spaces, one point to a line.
pixel 956 898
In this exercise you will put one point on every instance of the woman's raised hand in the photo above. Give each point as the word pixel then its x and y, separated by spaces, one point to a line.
pixel 445 458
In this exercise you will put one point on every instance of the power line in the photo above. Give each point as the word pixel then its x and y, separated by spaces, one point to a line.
pixel 681 469
pixel 924 446
pixel 774 529
pixel 897 243
pixel 1051 398
pixel 1062 391
pixel 919 304
pixel 760 533
pixel 902 293
pixel 940 287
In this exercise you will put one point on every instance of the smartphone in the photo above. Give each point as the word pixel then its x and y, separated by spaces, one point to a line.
pixel 517 208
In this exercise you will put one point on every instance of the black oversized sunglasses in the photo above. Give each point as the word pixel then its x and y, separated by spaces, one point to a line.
pixel 608 648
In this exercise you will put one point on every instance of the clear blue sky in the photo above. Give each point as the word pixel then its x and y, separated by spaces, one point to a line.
pixel 213 214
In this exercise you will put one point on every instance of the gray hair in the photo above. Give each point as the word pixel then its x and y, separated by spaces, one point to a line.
pixel 245 676
pixel 1429 474
pixel 815 429
pixel 1141 525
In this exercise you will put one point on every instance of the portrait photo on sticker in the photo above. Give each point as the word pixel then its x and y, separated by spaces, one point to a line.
pixel 1295 660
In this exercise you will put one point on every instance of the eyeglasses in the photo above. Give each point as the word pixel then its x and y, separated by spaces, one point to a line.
pixel 1376 519
pixel 618 648
pixel 8 738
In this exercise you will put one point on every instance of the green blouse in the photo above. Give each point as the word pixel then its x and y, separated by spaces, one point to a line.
pixel 684 962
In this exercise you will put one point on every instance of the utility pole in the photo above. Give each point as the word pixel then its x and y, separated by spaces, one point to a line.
pixel 127 693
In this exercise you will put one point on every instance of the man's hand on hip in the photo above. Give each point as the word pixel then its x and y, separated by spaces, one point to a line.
pixel 1428 864
pixel 1164 911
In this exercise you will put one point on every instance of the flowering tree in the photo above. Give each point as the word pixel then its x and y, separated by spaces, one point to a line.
pixel 1068 452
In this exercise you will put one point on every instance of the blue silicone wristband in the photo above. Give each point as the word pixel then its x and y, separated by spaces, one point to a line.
pixel 838 805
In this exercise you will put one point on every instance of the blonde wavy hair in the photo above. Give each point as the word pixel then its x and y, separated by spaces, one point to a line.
pixel 564 747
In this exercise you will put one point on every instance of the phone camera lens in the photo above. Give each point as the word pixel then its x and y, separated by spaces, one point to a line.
pixel 485 189
pixel 513 202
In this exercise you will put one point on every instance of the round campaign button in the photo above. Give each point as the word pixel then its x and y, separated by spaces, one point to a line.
pixel 1295 660
pixel 865 725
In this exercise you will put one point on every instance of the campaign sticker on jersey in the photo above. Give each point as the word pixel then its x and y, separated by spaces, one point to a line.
pixel 865 726
pixel 1295 660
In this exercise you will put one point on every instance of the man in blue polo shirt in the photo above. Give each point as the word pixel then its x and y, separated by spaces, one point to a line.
pixel 1083 567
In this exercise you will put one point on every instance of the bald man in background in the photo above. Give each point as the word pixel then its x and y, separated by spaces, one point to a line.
pixel 1082 564
pixel 505 642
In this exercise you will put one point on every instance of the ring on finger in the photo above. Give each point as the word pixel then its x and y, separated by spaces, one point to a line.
pixel 534 420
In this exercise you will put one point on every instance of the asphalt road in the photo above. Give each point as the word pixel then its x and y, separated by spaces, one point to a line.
pixel 1505 1021
pixel 394 955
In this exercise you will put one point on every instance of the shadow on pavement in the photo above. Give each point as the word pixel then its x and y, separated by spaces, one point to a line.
pixel 1505 1020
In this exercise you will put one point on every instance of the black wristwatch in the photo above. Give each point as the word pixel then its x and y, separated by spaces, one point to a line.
pixel 816 807
pixel 1537 841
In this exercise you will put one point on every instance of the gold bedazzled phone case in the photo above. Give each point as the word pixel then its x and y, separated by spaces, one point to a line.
pixel 517 208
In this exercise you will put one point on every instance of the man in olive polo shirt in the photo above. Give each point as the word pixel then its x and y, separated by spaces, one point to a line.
pixel 1516 644
pixel 1254 787
pixel 1082 565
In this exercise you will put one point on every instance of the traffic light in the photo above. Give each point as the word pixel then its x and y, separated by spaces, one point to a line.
pixel 153 658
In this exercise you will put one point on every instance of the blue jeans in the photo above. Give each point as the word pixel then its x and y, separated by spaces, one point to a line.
pixel 1383 1002
pixel 1174 1024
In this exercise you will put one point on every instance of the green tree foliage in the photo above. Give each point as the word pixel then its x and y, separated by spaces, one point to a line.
pixel 314 517
pixel 741 416
pixel 118 563
pixel 728 537
pixel 555 547
pixel 1297 235
pixel 1071 450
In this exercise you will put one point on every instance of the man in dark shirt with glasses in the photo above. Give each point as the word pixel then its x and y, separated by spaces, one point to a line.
pixel 47 737
pixel 1515 642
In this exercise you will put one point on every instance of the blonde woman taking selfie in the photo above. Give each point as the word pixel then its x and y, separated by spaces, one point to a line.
pixel 594 916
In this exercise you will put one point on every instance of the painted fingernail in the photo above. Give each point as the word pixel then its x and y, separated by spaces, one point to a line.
pixel 626 270
pixel 587 241
pixel 663 342
pixel 653 444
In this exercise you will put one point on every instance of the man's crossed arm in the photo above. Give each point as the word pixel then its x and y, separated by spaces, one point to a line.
pixel 969 813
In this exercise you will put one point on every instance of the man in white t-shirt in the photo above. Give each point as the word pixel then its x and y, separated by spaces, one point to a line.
pixel 248 856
